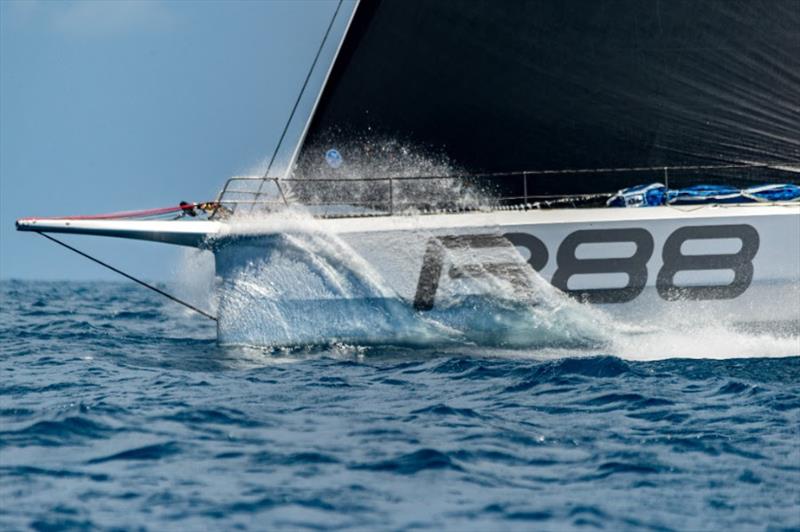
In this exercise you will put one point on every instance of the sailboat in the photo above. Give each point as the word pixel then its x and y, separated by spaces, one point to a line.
pixel 639 156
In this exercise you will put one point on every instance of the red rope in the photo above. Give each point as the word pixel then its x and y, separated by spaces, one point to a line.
pixel 121 214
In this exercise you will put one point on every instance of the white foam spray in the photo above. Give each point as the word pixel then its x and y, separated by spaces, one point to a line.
pixel 713 340
pixel 194 280
pixel 307 285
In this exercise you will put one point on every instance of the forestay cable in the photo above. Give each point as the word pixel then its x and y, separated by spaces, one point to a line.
pixel 131 277
pixel 299 97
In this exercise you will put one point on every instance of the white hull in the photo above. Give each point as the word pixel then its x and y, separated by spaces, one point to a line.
pixel 288 279
pixel 737 266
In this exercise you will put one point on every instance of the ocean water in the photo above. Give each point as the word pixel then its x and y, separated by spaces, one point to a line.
pixel 118 410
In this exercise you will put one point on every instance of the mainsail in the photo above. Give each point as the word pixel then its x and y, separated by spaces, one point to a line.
pixel 568 84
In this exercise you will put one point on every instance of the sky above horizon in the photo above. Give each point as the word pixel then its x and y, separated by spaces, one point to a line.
pixel 108 106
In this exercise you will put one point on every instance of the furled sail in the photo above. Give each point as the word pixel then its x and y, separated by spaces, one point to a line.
pixel 568 84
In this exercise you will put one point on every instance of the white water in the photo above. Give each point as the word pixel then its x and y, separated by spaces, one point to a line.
pixel 194 280
pixel 717 341
pixel 311 288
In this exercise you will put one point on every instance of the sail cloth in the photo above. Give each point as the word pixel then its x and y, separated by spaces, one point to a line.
pixel 516 85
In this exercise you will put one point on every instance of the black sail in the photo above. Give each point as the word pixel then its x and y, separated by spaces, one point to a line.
pixel 502 86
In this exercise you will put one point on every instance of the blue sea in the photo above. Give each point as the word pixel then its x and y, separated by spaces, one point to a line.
pixel 119 411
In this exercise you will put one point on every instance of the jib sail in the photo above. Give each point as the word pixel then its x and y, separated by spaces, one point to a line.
pixel 567 84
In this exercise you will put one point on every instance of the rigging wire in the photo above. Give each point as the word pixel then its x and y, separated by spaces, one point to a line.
pixel 299 96
pixel 131 277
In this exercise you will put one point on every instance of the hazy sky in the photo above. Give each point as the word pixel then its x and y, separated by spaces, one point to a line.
pixel 108 106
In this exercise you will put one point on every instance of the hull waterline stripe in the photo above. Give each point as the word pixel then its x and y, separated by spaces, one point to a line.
pixel 132 278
